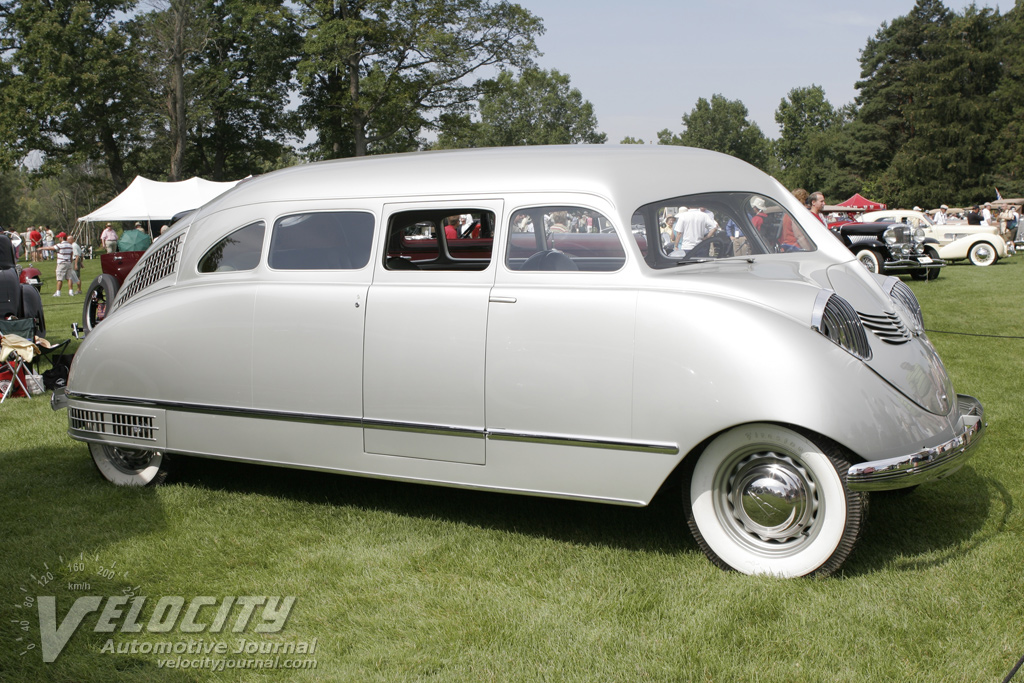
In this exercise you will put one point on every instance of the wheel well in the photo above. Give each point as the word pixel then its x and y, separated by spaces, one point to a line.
pixel 681 472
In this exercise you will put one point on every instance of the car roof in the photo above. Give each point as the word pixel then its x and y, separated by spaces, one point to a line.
pixel 630 175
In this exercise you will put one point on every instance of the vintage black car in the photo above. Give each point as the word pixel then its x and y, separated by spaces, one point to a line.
pixel 891 248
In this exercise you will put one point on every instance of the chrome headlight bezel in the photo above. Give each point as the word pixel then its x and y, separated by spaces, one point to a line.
pixel 906 304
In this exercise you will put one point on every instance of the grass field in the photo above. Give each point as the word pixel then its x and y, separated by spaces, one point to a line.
pixel 396 582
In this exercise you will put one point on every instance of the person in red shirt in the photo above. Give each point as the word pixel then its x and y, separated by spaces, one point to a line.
pixel 817 202
pixel 35 240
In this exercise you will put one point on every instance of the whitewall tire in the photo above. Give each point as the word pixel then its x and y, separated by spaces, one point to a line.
pixel 130 466
pixel 870 259
pixel 982 254
pixel 765 499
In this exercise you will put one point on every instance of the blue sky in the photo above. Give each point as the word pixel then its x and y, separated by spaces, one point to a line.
pixel 643 64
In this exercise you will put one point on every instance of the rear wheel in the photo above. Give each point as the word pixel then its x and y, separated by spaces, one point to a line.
pixel 870 259
pixel 130 466
pixel 764 499
pixel 97 300
pixel 982 254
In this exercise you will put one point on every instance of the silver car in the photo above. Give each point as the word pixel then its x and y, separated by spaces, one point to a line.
pixel 591 323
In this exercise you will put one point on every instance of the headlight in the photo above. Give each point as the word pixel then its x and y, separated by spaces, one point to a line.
pixel 906 304
pixel 835 318
pixel 890 236
pixel 918 235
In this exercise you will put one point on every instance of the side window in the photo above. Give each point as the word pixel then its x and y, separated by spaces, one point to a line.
pixel 238 251
pixel 331 240
pixel 563 238
pixel 699 228
pixel 457 238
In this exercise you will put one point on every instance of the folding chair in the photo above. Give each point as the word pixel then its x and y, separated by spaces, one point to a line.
pixel 11 361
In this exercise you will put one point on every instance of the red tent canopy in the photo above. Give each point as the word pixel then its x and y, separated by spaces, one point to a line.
pixel 858 202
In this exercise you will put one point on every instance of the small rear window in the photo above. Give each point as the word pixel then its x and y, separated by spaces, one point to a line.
pixel 330 240
pixel 238 251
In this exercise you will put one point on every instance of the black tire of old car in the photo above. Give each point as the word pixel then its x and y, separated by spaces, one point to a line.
pixel 930 272
pixel 131 466
pixel 982 254
pixel 100 295
pixel 32 307
pixel 870 259
pixel 767 499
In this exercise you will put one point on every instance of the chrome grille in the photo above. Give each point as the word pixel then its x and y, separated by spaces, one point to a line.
pixel 888 327
pixel 152 268
pixel 114 424
pixel 905 295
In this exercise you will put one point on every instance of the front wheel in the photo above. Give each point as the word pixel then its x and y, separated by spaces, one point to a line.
pixel 764 499
pixel 982 254
pixel 870 259
pixel 928 272
pixel 131 466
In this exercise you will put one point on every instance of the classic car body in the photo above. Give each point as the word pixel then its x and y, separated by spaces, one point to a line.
pixel 982 245
pixel 546 350
pixel 887 247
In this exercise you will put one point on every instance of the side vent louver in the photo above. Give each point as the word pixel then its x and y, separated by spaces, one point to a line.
pixel 152 268
pixel 888 327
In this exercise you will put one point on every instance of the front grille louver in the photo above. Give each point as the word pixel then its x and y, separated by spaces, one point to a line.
pixel 113 424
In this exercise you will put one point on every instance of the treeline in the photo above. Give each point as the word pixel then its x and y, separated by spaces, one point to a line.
pixel 94 93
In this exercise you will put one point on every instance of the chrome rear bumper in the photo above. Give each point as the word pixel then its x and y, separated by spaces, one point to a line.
pixel 929 464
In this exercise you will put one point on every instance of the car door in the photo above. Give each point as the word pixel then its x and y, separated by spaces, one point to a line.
pixel 426 323
pixel 560 333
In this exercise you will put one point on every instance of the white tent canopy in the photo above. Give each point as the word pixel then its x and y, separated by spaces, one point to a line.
pixel 151 200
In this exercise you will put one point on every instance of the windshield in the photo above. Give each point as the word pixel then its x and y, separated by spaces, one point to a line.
pixel 715 225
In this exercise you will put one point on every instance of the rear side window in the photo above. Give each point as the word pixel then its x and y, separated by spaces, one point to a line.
pixel 331 240
pixel 563 238
pixel 238 251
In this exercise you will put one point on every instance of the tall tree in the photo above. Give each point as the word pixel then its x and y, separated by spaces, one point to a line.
pixel 537 108
pixel 721 125
pixel 926 118
pixel 805 118
pixel 1009 160
pixel 374 73
pixel 71 85
pixel 241 81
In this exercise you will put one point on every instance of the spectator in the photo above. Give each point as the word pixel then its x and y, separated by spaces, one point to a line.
pixel 16 243
pixel 986 215
pixel 47 242
pixel 817 203
pixel 35 240
pixel 76 265
pixel 940 215
pixel 65 252
pixel 693 226
pixel 109 239
pixel 973 217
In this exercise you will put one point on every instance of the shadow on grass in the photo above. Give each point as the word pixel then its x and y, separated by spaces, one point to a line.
pixel 660 527
pixel 930 525
pixel 923 528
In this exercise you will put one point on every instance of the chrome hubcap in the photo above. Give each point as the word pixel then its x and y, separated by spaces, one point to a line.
pixel 769 503
pixel 130 460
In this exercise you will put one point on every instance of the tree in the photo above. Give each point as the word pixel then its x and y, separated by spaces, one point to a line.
pixel 805 119
pixel 72 85
pixel 241 81
pixel 374 73
pixel 927 117
pixel 1008 171
pixel 721 125
pixel 537 108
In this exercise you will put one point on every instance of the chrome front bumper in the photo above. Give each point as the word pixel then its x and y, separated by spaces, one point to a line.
pixel 928 465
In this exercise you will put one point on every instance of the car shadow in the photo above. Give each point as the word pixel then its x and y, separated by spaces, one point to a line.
pixel 923 528
pixel 658 527
pixel 930 525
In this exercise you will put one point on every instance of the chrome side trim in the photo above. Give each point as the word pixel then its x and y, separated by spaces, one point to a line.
pixel 929 464
pixel 666 449
pixel 343 421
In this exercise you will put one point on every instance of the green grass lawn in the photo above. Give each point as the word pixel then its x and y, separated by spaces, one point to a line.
pixel 398 582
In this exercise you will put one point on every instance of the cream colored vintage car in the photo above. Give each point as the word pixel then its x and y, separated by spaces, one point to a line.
pixel 595 323
pixel 980 244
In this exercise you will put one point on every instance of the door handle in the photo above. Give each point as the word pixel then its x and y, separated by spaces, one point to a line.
pixel 503 299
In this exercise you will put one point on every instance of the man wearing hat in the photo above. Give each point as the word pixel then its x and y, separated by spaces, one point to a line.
pixel 940 215
pixel 109 239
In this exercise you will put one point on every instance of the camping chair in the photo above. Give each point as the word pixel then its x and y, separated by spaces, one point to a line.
pixel 11 361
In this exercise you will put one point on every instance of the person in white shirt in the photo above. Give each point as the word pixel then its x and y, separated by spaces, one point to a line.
pixel 940 215
pixel 692 226
pixel 986 215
